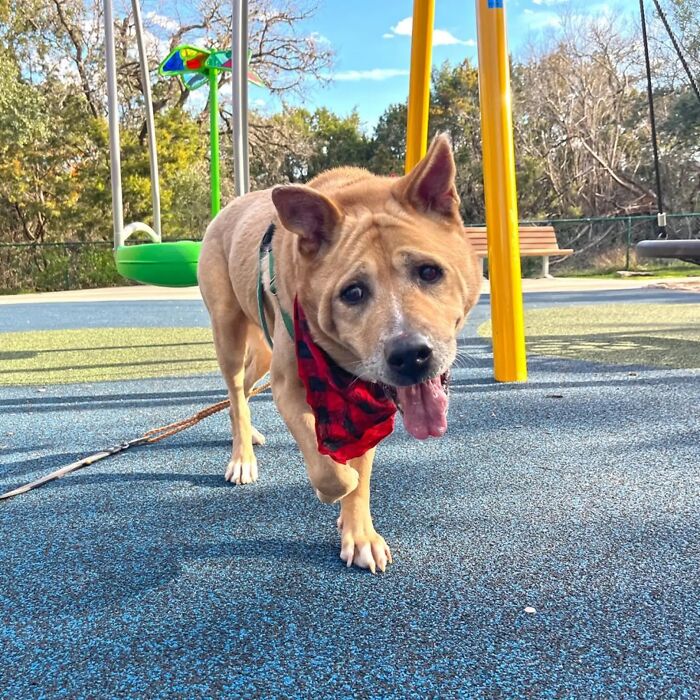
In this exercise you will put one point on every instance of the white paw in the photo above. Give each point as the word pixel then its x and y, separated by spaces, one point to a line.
pixel 366 551
pixel 258 438
pixel 242 471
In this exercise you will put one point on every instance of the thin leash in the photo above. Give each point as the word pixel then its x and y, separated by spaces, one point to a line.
pixel 148 438
pixel 166 431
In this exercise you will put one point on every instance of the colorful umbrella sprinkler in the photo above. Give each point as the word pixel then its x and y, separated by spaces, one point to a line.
pixel 195 67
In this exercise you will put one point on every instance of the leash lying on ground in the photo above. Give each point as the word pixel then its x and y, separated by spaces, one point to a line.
pixel 148 438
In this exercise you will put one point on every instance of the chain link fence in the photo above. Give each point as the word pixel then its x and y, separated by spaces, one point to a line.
pixel 45 267
pixel 601 245
pixel 604 245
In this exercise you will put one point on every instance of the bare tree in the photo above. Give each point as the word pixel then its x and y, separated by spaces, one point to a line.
pixel 582 117
pixel 63 40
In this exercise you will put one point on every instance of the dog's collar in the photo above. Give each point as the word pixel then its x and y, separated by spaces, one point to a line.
pixel 266 250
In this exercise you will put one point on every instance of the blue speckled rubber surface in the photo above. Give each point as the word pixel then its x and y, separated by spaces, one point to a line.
pixel 148 576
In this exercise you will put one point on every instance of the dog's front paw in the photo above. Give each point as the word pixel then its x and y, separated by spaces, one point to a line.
pixel 242 470
pixel 363 547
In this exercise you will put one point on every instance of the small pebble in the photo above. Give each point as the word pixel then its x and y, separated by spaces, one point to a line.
pixel 530 610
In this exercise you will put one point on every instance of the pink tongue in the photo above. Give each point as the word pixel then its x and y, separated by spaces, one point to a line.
pixel 424 408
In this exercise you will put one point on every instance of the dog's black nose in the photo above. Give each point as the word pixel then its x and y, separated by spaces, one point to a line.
pixel 409 355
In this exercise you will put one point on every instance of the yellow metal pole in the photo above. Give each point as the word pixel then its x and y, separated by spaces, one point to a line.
pixel 419 89
pixel 510 364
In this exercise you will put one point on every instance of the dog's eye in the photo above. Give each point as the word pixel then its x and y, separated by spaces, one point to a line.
pixel 429 273
pixel 353 294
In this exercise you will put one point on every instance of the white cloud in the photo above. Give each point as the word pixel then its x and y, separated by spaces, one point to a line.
pixel 549 2
pixel 156 48
pixel 541 20
pixel 162 21
pixel 198 100
pixel 404 27
pixel 441 37
pixel 263 16
pixel 371 74
pixel 318 38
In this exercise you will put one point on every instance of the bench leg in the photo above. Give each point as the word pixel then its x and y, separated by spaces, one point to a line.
pixel 545 267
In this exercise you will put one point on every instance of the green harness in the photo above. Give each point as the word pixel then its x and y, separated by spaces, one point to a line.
pixel 266 249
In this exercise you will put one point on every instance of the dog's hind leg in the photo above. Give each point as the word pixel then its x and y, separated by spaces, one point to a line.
pixel 230 328
pixel 257 365
pixel 230 331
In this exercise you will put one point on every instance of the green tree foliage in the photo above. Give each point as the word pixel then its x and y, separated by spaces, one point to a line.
pixel 389 142
pixel 337 141
pixel 54 162
pixel 184 176
pixel 297 145
pixel 580 117
pixel 454 109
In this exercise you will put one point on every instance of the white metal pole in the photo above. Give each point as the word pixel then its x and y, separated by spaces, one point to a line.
pixel 115 165
pixel 239 91
pixel 150 121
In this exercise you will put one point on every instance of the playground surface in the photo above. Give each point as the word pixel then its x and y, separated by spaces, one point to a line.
pixel 547 546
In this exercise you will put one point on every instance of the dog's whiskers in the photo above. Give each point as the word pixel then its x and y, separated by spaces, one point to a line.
pixel 358 370
pixel 464 359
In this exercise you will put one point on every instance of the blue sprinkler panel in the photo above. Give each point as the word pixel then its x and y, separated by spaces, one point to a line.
pixel 174 63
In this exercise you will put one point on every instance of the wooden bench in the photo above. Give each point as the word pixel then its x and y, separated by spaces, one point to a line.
pixel 535 242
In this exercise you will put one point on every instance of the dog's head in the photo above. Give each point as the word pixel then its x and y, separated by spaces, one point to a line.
pixel 386 276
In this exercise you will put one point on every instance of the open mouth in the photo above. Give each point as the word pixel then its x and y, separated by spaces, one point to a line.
pixel 423 406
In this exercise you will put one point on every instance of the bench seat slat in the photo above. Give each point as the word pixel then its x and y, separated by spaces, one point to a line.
pixel 534 241
pixel 534 252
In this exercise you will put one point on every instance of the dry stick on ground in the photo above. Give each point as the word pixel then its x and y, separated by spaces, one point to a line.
pixel 148 438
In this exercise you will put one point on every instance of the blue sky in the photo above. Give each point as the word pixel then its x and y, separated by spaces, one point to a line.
pixel 372 44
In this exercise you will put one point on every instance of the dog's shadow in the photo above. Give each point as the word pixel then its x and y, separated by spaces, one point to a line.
pixel 237 530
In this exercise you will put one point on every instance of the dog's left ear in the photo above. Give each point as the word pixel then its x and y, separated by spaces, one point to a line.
pixel 309 214
pixel 430 186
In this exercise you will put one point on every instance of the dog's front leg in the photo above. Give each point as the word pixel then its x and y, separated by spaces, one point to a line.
pixel 331 480
pixel 361 545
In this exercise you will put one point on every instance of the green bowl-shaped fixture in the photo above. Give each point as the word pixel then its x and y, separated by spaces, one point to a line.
pixel 172 264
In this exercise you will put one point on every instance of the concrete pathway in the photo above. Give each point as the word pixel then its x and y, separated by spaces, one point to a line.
pixel 151 293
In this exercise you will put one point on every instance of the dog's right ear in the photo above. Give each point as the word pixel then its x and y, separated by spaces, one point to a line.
pixel 309 214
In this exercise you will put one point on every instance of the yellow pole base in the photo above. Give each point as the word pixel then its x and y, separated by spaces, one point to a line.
pixel 510 364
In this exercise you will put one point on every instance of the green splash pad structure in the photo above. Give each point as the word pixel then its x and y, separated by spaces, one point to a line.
pixel 170 264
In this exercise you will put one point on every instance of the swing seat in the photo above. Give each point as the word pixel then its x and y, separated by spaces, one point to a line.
pixel 171 264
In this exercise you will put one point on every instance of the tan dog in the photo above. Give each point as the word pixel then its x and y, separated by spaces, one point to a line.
pixel 385 276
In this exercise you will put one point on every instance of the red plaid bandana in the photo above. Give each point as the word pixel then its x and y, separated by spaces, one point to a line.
pixel 352 415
